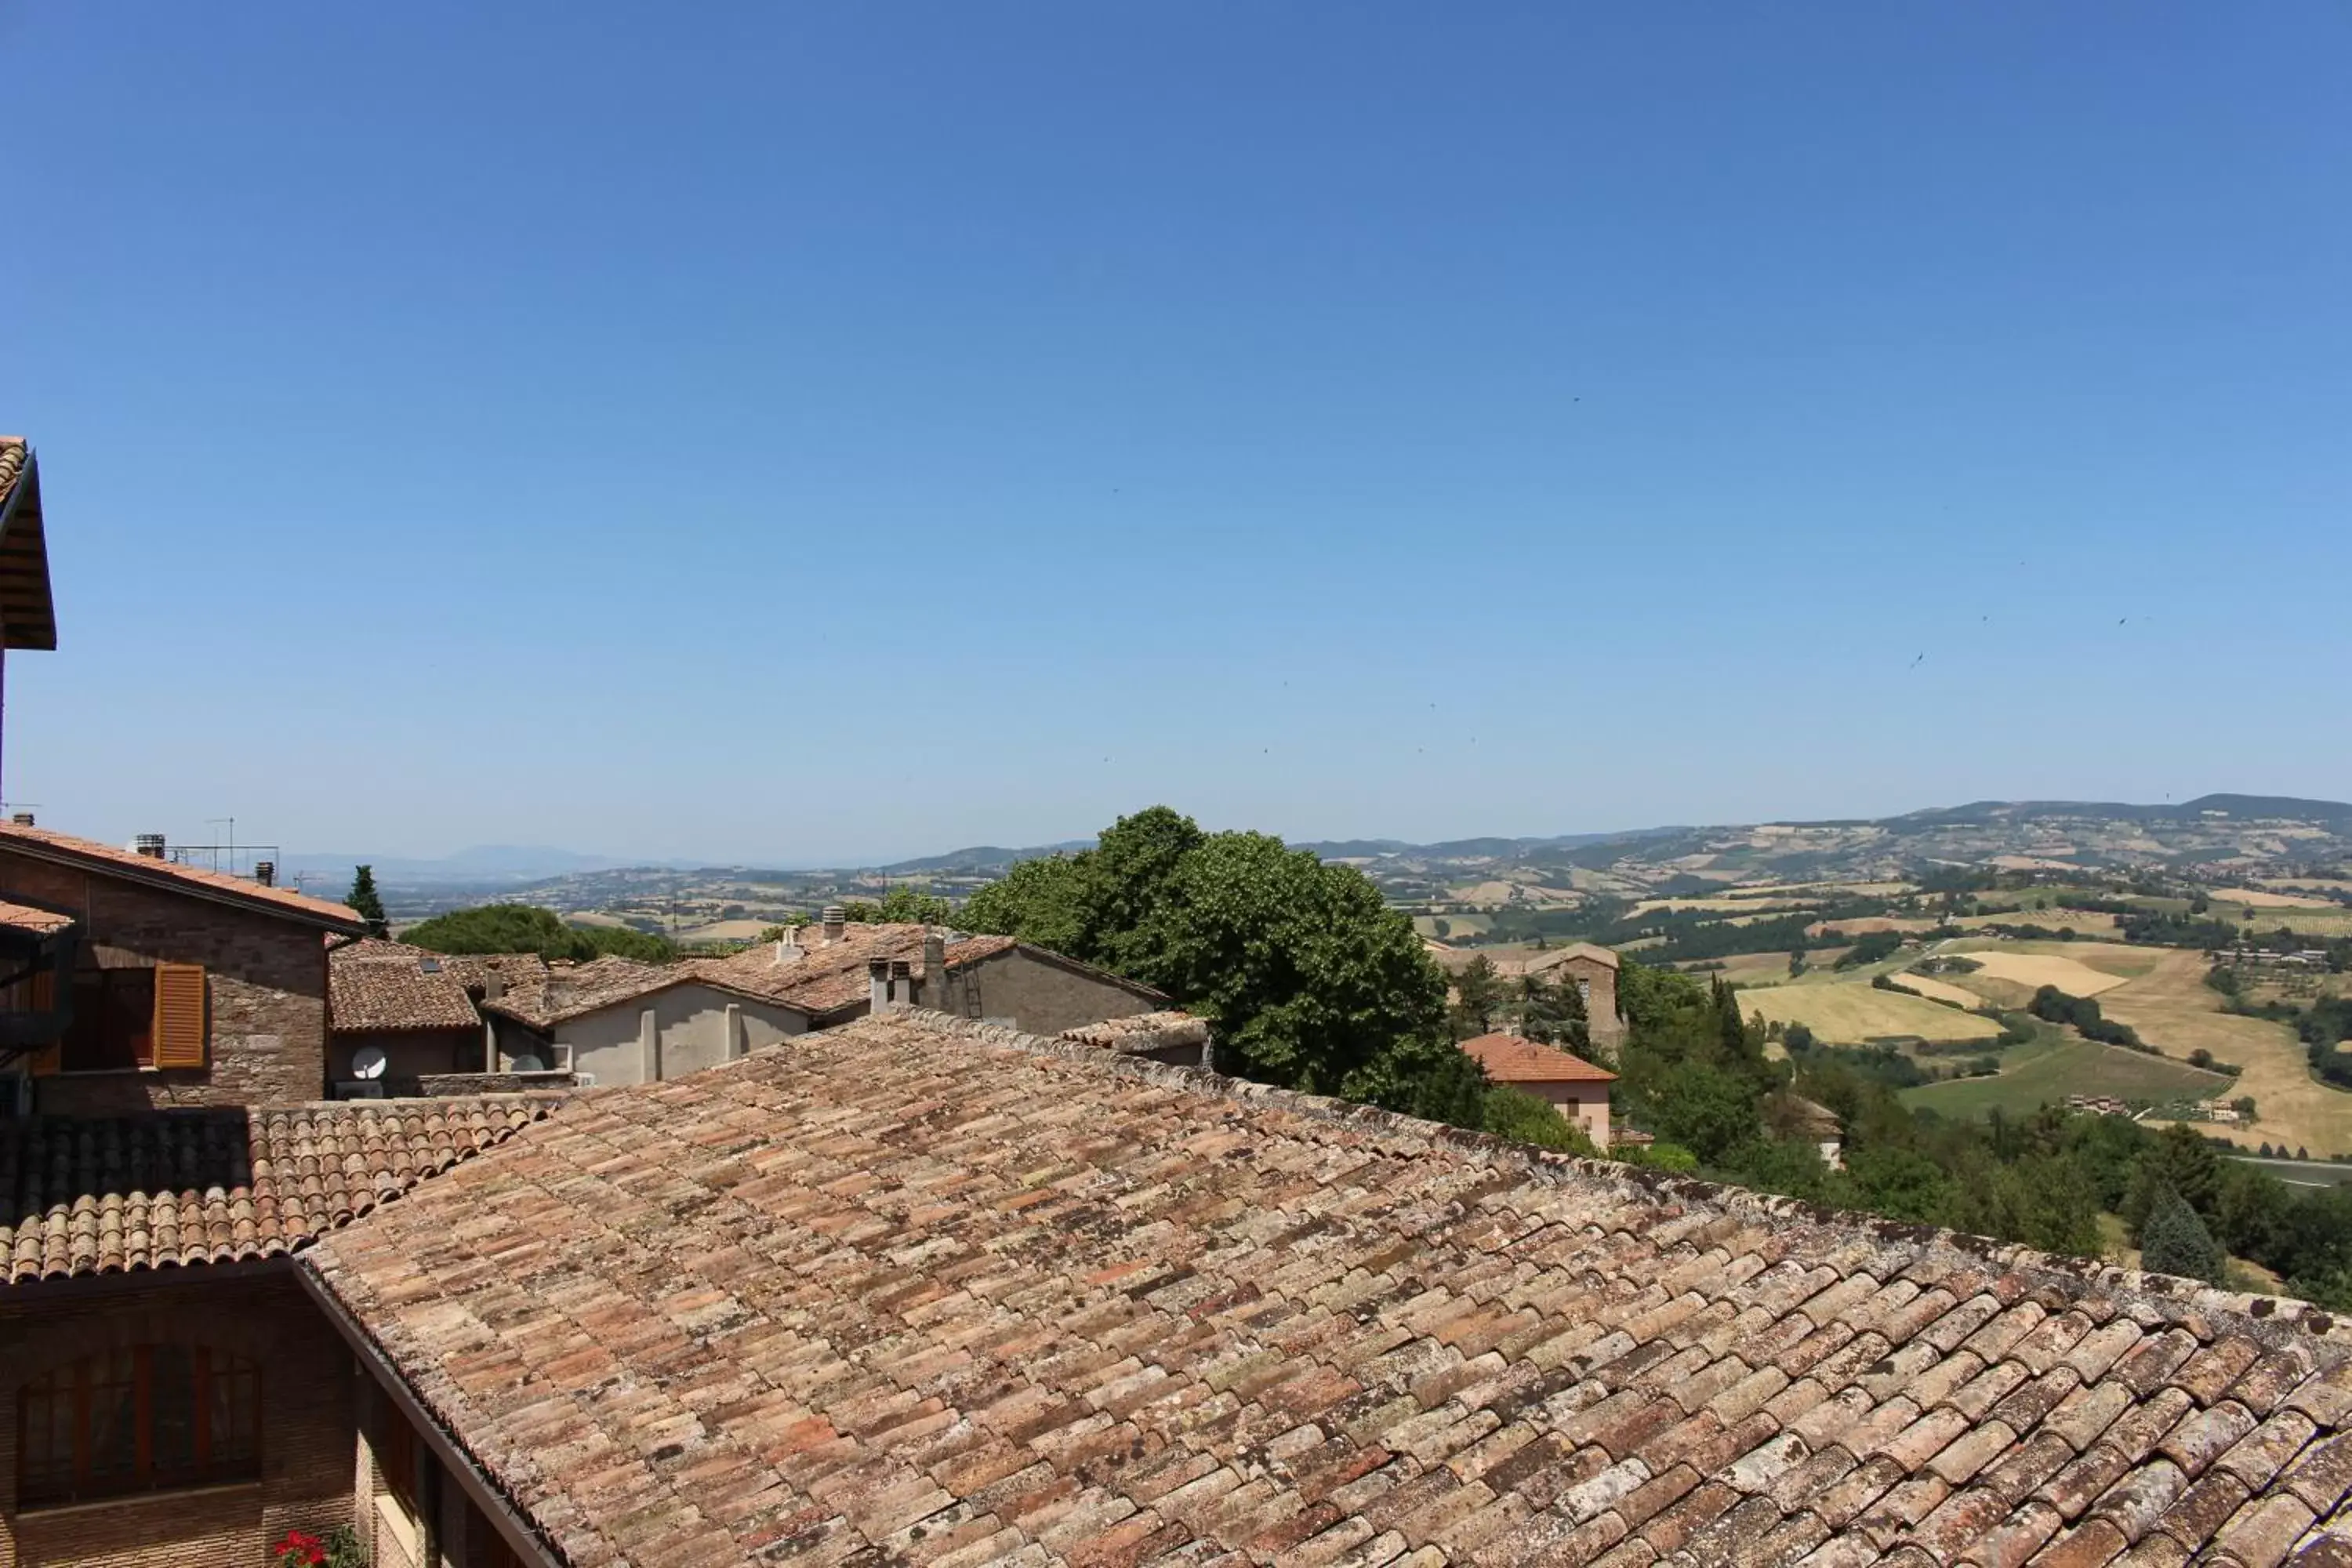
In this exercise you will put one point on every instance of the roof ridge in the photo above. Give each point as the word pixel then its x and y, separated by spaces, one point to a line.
pixel 2167 1297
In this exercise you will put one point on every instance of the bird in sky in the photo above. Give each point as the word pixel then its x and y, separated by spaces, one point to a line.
pixel 1915 663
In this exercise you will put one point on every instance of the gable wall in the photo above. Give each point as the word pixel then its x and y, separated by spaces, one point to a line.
pixel 690 1033
pixel 265 979
pixel 1044 998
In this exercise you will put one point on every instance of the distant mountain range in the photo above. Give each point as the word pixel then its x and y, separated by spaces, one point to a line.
pixel 2094 834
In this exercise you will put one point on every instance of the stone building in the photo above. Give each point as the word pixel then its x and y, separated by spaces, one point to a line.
pixel 149 983
pixel 1576 1088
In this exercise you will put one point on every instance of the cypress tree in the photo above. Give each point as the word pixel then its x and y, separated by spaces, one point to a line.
pixel 2175 1241
pixel 367 903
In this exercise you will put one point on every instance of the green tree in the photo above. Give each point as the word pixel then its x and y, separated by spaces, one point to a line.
pixel 1037 900
pixel 1310 979
pixel 902 905
pixel 366 902
pixel 1552 1012
pixel 1707 1110
pixel 524 927
pixel 2175 1241
pixel 1523 1118
pixel 1478 999
pixel 1796 963
pixel 2178 1161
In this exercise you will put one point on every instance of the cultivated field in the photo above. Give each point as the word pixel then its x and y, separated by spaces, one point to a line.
pixel 1928 985
pixel 2256 898
pixel 2174 1009
pixel 2090 923
pixel 2078 976
pixel 726 931
pixel 2327 922
pixel 1851 1013
pixel 2046 1072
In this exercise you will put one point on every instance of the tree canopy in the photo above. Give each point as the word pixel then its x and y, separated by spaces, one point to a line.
pixel 1311 981
pixel 525 928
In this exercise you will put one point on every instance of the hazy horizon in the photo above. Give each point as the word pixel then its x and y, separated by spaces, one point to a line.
pixel 832 437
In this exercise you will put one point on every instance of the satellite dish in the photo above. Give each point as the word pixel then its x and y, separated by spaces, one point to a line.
pixel 368 1063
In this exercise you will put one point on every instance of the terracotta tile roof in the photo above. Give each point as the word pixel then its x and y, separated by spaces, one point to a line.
pixel 918 1291
pixel 34 919
pixel 373 985
pixel 560 993
pixel 825 980
pixel 475 970
pixel 1510 1058
pixel 100 1196
pixel 1552 958
pixel 1141 1033
pixel 106 860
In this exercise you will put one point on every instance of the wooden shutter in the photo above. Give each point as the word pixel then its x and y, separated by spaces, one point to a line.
pixel 179 1016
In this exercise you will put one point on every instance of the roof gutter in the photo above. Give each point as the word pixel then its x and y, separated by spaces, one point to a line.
pixel 513 1529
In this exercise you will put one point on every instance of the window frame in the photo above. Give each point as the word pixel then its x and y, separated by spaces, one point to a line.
pixel 82 1382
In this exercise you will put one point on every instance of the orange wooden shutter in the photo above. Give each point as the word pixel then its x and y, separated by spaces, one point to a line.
pixel 179 1016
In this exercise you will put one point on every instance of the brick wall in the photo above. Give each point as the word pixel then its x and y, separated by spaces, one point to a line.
pixel 266 983
pixel 307 1442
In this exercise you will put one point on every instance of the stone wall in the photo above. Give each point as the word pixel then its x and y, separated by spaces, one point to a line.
pixel 1034 994
pixel 307 1442
pixel 265 982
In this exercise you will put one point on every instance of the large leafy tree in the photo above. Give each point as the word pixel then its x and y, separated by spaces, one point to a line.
pixel 366 902
pixel 523 928
pixel 1311 980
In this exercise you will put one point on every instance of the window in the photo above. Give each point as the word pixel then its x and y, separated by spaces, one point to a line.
pixel 1584 990
pixel 135 1018
pixel 139 1420
pixel 113 1020
pixel 395 1456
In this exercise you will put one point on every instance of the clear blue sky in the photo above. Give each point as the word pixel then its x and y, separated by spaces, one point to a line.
pixel 830 432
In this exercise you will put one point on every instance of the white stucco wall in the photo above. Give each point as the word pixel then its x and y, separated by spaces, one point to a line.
pixel 690 1032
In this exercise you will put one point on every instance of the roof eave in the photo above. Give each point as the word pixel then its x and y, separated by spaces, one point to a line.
pixel 59 854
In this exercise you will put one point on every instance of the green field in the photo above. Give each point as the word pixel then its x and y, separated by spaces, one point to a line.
pixel 2306 922
pixel 2047 1070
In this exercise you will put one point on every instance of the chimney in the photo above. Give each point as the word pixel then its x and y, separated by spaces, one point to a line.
pixel 149 845
pixel 266 873
pixel 836 922
pixel 935 970
pixel 23 819
pixel 788 947
pixel 494 984
pixel 902 982
pixel 878 986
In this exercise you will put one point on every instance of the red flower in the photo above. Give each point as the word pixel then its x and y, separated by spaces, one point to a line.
pixel 299 1550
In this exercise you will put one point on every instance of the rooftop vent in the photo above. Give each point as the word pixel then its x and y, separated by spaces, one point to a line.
pixel 23 819
pixel 266 873
pixel 836 922
pixel 150 845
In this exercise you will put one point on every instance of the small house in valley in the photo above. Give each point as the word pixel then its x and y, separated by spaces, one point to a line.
pixel 1576 1088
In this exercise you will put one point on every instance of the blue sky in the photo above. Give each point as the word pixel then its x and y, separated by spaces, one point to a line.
pixel 804 434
